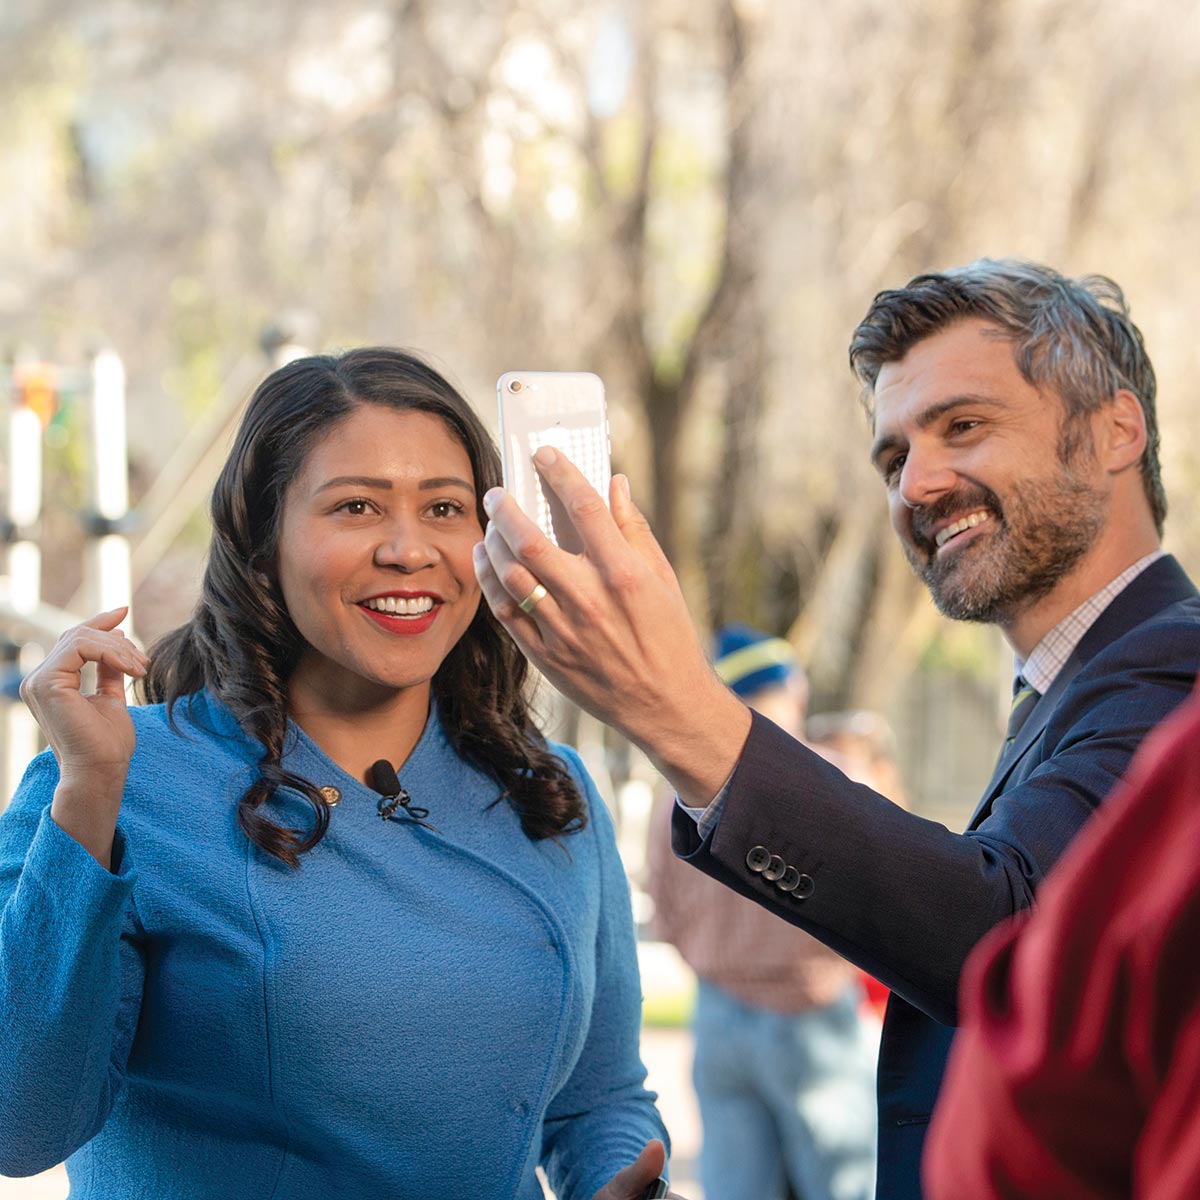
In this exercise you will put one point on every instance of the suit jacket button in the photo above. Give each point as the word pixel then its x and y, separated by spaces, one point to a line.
pixel 775 868
pixel 789 881
pixel 758 858
pixel 804 887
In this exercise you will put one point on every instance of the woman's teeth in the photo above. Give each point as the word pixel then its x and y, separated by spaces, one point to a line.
pixel 400 606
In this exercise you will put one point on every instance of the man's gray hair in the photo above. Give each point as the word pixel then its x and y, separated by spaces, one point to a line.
pixel 1072 335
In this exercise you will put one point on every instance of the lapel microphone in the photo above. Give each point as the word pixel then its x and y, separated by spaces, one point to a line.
pixel 393 796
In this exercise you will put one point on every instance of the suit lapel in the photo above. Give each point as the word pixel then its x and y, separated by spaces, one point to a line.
pixel 1160 585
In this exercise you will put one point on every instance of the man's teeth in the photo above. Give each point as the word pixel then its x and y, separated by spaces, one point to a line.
pixel 400 606
pixel 944 535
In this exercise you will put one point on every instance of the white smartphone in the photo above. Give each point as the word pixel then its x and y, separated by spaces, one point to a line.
pixel 563 409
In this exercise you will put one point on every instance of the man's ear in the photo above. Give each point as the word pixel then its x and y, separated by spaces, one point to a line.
pixel 1121 438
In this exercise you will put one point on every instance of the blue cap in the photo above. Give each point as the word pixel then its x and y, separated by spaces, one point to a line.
pixel 749 660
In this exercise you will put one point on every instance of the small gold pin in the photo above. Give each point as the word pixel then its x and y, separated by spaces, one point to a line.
pixel 330 795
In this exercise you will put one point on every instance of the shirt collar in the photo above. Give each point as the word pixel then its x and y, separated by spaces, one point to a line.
pixel 1050 655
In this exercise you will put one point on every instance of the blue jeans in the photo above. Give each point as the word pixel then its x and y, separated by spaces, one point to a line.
pixel 785 1098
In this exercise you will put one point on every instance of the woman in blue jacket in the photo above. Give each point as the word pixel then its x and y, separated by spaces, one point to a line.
pixel 222 973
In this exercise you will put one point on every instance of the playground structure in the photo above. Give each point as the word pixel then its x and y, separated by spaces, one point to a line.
pixel 28 625
pixel 122 546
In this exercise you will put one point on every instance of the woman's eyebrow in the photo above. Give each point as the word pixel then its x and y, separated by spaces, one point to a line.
pixel 371 481
pixel 356 480
pixel 442 481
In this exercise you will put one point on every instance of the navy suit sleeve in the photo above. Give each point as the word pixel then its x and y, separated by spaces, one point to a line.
pixel 903 897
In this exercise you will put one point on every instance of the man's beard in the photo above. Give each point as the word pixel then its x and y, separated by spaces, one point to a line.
pixel 1033 541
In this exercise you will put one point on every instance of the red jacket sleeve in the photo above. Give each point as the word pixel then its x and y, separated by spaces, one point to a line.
pixel 1077 1073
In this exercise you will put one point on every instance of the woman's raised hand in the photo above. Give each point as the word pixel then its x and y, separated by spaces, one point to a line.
pixel 92 735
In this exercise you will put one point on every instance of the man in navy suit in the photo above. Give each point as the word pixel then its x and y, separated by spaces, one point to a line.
pixel 1014 430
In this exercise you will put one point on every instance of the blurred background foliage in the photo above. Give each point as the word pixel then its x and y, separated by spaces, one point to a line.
pixel 694 198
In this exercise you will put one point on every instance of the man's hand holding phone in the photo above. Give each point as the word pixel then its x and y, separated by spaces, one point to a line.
pixel 609 626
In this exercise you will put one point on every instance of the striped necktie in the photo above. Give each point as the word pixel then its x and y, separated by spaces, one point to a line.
pixel 1024 701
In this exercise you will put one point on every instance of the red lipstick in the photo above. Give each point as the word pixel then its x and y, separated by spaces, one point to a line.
pixel 399 623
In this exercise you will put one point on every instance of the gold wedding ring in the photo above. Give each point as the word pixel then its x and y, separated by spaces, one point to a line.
pixel 533 599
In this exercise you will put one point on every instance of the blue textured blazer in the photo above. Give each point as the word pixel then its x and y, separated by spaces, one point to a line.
pixel 905 898
pixel 411 1014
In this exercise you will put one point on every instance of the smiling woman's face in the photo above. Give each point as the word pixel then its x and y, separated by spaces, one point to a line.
pixel 374 556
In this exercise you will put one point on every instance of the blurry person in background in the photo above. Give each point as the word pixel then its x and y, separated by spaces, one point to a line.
pixel 863 745
pixel 1076 1074
pixel 221 973
pixel 784 1063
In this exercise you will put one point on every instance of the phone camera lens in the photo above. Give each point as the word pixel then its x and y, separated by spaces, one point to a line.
pixel 515 385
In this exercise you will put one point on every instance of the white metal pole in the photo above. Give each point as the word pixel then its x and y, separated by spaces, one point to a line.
pixel 108 552
pixel 24 505
pixel 23 563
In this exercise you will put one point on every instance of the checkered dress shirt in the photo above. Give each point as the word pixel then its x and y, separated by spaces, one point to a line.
pixel 1050 655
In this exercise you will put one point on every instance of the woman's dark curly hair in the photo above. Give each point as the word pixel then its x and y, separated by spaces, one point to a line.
pixel 241 643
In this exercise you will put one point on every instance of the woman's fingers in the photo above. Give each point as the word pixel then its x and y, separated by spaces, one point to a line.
pixel 98 639
pixel 107 620
pixel 122 655
pixel 58 679
pixel 92 736
pixel 110 680
pixel 84 645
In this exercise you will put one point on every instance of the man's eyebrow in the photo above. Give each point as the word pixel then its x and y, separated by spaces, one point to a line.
pixel 883 446
pixel 929 416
